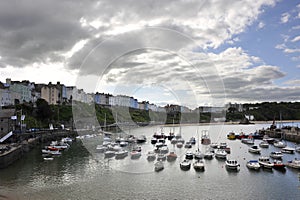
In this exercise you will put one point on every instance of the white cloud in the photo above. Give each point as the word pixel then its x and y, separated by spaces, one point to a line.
pixel 296 39
pixel 285 17
pixel 261 25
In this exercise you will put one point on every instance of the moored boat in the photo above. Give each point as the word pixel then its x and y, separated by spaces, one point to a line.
pixel 253 164
pixel 153 140
pixel 158 166
pixel 276 155
pixel 179 144
pixel 254 149
pixel 208 155
pixel 293 163
pixel 161 157
pixel 151 156
pixel 121 154
pixel 205 139
pixel 279 144
pixel 109 154
pixel 264 162
pixel 264 144
pixel 199 165
pixel 232 164
pixel 188 145
pixel 247 140
pixel 288 150
pixel 220 154
pixel 135 154
pixel 231 136
pixel 189 155
pixel 185 165
pixel 277 164
pixel 171 156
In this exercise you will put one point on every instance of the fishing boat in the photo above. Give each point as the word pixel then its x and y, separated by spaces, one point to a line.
pixel 205 139
pixel 264 162
pixel 199 165
pixel 293 163
pixel 121 154
pixel 151 156
pixel 158 166
pixel 185 165
pixel 171 156
pixel 288 150
pixel 253 164
pixel 198 155
pixel 264 144
pixel 189 155
pixel 221 154
pixel 277 164
pixel 276 155
pixel 254 149
pixel 232 164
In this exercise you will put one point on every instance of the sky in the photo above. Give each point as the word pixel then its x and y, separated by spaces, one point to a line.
pixel 188 52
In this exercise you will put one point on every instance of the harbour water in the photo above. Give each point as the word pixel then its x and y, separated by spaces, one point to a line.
pixel 82 173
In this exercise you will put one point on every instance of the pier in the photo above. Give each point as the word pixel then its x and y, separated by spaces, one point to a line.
pixel 291 134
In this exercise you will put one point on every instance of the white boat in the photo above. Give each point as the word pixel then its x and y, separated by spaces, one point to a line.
pixel 188 145
pixel 121 154
pixel 276 155
pixel 135 154
pixel 151 156
pixel 189 155
pixel 288 150
pixel 279 144
pixel 185 165
pixel 253 164
pixel 247 140
pixel 153 140
pixel 221 154
pixel 214 145
pixel 101 148
pixel 293 163
pixel 179 144
pixel 198 155
pixel 159 144
pixel 264 144
pixel 180 140
pixel 164 149
pixel 208 155
pixel 141 139
pixel 223 145
pixel 254 149
pixel 173 140
pixel 158 166
pixel 171 156
pixel 232 164
pixel 67 140
pixel 264 162
pixel 123 143
pixel 109 154
pixel 48 158
pixel 46 151
pixel 199 165
pixel 161 157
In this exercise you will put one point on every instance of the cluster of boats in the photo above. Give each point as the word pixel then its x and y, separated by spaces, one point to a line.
pixel 264 161
pixel 55 148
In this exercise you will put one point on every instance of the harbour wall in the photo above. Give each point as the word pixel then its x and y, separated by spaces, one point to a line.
pixel 28 141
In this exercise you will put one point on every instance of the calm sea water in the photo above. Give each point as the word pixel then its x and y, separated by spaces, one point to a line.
pixel 81 173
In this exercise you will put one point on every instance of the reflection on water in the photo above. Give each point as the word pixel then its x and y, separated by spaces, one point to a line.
pixel 81 173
